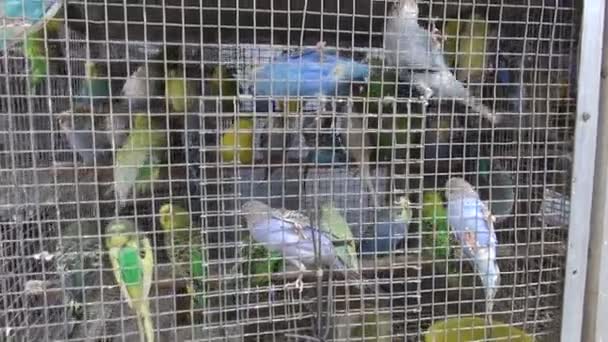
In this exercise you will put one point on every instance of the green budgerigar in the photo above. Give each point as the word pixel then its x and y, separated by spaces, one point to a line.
pixel 451 27
pixel 36 49
pixel 35 52
pixel 132 260
pixel 180 93
pixel 261 263
pixel 185 251
pixel 96 86
pixel 138 162
pixel 223 83
pixel 333 223
pixel 382 84
pixel 473 37
pixel 436 239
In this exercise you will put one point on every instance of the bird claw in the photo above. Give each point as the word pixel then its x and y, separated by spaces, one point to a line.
pixel 436 34
pixel 298 284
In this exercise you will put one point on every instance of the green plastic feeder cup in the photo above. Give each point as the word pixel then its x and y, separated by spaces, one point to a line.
pixel 469 329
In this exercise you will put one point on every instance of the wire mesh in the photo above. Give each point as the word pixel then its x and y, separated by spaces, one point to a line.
pixel 143 105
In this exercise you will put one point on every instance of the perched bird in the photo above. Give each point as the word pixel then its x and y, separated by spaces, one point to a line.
pixel 514 91
pixel 436 239
pixel 309 73
pixel 181 93
pixel 334 224
pixel 94 126
pixel 95 134
pixel 499 187
pixel 451 29
pixel 359 149
pixel 86 135
pixel 389 231
pixel 291 234
pixel 410 46
pixel 35 20
pixel 473 38
pixel 382 83
pixel 132 262
pixel 42 22
pixel 186 252
pixel 89 129
pixel 139 160
pixel 144 88
pixel 36 55
pixel 261 263
pixel 473 226
pixel 237 142
pixel 223 84
pixel 95 88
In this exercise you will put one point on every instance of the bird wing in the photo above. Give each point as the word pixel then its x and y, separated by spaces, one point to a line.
pixel 147 266
pixel 470 222
pixel 114 254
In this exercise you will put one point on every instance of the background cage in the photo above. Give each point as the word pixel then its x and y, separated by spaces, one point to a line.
pixel 45 187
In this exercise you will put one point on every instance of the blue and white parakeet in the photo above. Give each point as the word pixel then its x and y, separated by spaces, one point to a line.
pixel 313 72
pixel 473 225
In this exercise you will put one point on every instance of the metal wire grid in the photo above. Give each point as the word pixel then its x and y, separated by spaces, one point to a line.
pixel 531 249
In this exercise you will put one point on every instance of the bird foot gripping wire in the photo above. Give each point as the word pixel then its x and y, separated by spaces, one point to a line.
pixel 436 34
pixel 298 284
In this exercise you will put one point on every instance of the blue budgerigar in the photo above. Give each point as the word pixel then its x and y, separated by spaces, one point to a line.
pixel 473 225
pixel 416 50
pixel 312 72
pixel 390 231
pixel 291 233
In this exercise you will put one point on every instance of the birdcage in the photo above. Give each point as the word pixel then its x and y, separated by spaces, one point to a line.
pixel 280 170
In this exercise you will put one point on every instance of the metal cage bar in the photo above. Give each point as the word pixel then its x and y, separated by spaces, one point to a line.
pixel 587 110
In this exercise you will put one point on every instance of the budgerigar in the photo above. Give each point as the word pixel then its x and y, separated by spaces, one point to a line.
pixel 435 224
pixel 415 49
pixel 473 38
pixel 390 230
pixel 132 260
pixel 500 187
pixel 333 223
pixel 145 86
pixel 181 94
pixel 473 225
pixel 313 72
pixel 32 18
pixel 382 83
pixel 85 134
pixel 451 28
pixel 138 162
pixel 95 134
pixel 237 142
pixel 95 88
pixel 222 83
pixel 291 234
pixel 185 249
